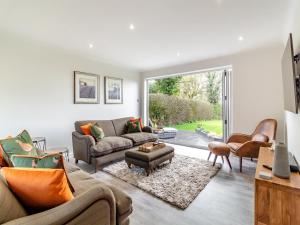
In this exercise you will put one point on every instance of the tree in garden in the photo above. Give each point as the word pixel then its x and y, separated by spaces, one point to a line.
pixel 168 86
pixel 191 87
pixel 213 88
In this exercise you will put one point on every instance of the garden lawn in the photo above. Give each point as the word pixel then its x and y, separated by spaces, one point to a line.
pixel 214 126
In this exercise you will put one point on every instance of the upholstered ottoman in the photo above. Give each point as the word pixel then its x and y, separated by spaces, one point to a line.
pixel 149 160
pixel 219 149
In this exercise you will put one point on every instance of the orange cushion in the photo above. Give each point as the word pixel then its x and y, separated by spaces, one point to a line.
pixel 38 188
pixel 139 119
pixel 86 128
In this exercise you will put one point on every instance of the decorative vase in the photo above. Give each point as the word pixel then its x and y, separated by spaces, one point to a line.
pixel 281 167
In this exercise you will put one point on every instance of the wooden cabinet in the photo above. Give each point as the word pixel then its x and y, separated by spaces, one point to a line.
pixel 277 201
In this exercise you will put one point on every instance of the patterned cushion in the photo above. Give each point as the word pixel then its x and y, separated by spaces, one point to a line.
pixel 134 126
pixel 138 119
pixel 51 161
pixel 47 161
pixel 110 144
pixel 97 132
pixel 20 145
pixel 141 137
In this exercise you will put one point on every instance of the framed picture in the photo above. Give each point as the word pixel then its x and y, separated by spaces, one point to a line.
pixel 86 88
pixel 113 90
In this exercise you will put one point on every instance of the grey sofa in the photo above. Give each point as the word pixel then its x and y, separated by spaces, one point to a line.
pixel 113 146
pixel 94 203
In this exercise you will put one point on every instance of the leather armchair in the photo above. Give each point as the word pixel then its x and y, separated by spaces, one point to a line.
pixel 244 145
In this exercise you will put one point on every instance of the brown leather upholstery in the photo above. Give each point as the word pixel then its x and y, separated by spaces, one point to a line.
pixel 244 145
pixel 219 148
pixel 267 127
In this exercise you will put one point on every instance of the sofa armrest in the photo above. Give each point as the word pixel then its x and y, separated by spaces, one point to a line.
pixel 82 145
pixel 239 138
pixel 147 129
pixel 66 212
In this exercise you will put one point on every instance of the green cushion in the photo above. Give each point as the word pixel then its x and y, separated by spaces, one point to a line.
pixel 20 145
pixel 51 161
pixel 97 132
pixel 134 126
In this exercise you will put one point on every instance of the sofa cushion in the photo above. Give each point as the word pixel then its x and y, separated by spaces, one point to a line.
pixel 260 137
pixel 86 128
pixel 97 132
pixel 110 144
pixel 38 188
pixel 106 125
pixel 51 161
pixel 120 125
pixel 82 181
pixel 20 145
pixel 13 209
pixel 134 126
pixel 140 137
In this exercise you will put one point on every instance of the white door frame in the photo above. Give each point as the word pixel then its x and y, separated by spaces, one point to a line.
pixel 226 95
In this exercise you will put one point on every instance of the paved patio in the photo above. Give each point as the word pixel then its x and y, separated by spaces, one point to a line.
pixel 189 139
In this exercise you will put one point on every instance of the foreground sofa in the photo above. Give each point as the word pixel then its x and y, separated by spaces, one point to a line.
pixel 113 146
pixel 95 203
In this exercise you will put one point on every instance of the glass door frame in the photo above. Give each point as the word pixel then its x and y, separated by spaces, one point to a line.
pixel 226 96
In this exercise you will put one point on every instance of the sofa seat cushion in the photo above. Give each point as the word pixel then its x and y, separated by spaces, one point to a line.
pixel 234 146
pixel 110 144
pixel 82 182
pixel 140 137
pixel 70 168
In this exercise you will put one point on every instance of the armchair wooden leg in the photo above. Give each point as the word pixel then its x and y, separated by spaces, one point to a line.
pixel 216 156
pixel 222 159
pixel 241 164
pixel 209 156
pixel 227 159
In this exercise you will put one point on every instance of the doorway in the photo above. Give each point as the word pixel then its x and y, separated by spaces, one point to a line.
pixel 189 109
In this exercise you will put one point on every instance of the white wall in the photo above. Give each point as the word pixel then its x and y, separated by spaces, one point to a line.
pixel 36 91
pixel 293 120
pixel 256 85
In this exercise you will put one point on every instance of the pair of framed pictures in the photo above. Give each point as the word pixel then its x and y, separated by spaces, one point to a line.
pixel 87 89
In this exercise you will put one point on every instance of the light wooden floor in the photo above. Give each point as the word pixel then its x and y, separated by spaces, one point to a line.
pixel 227 200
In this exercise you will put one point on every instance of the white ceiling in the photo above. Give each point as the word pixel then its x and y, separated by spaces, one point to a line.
pixel 198 29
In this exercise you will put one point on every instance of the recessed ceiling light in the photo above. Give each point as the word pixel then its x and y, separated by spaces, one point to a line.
pixel 91 45
pixel 241 38
pixel 131 27
pixel 178 54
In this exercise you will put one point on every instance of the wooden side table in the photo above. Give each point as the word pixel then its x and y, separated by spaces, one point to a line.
pixel 277 200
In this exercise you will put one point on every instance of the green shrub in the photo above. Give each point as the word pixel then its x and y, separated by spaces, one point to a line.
pixel 217 111
pixel 168 109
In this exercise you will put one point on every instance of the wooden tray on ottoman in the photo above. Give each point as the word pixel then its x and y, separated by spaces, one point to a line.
pixel 151 146
pixel 149 160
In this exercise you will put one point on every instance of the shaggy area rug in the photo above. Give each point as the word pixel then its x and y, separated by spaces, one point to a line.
pixel 177 183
